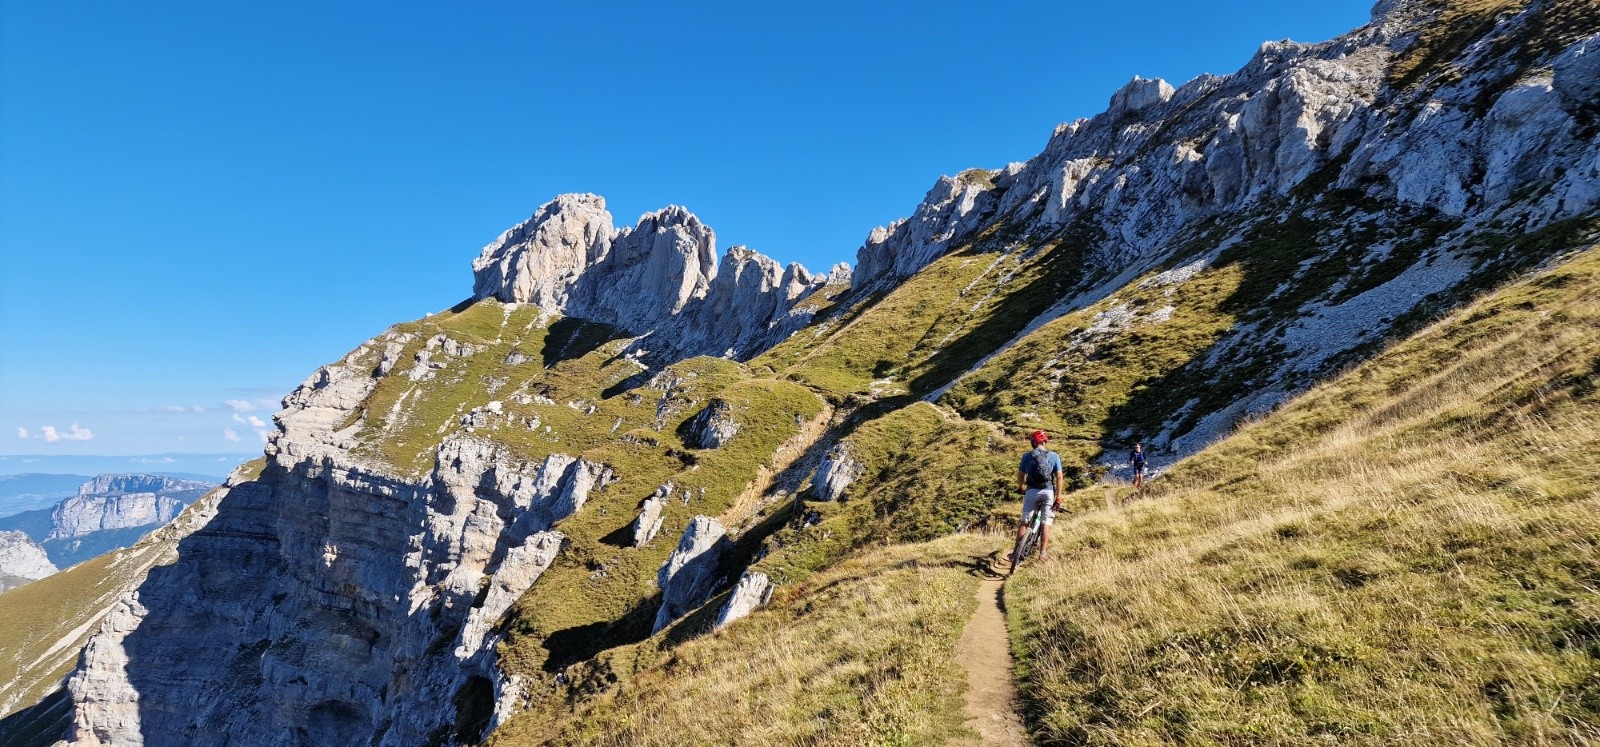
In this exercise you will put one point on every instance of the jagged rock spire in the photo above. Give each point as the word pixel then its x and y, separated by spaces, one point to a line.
pixel 661 276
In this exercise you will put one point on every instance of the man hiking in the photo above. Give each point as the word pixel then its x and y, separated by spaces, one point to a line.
pixel 1139 464
pixel 1039 480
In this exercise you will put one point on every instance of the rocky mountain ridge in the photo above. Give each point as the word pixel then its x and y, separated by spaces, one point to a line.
pixel 21 560
pixel 110 511
pixel 118 484
pixel 660 278
pixel 461 519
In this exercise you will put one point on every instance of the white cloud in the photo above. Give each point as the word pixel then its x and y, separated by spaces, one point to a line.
pixel 22 432
pixel 198 408
pixel 237 418
pixel 174 408
pixel 262 432
pixel 251 405
pixel 74 433
pixel 229 434
pixel 257 423
pixel 162 460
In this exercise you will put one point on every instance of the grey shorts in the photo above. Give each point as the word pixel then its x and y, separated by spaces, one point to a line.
pixel 1036 497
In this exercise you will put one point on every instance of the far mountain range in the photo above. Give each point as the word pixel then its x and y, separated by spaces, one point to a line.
pixel 107 512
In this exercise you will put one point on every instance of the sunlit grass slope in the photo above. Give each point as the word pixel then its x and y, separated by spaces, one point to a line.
pixel 860 654
pixel 937 323
pixel 1409 554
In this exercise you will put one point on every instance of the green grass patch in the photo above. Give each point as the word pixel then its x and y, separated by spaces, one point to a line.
pixel 941 321
pixel 863 653
pixel 1406 554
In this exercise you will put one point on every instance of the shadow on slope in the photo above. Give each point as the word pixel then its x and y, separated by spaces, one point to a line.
pixel 42 725
pixel 1406 553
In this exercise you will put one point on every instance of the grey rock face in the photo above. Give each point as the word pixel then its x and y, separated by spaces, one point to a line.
pixel 540 260
pixel 950 213
pixel 648 522
pixel 113 484
pixel 660 277
pixel 82 514
pixel 20 558
pixel 1160 160
pixel 689 576
pixel 1577 77
pixel 339 604
pixel 838 470
pixel 713 426
pixel 752 591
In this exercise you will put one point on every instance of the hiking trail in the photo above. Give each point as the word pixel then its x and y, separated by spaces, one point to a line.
pixel 985 652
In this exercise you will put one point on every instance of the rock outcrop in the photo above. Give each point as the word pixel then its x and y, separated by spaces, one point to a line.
pixel 660 278
pixel 21 560
pixel 689 577
pixel 838 470
pixel 345 604
pixel 714 426
pixel 1160 159
pixel 752 591
pixel 648 523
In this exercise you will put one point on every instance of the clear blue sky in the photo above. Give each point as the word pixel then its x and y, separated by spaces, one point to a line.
pixel 201 202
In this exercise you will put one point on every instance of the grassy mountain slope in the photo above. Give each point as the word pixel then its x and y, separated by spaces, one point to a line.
pixel 1410 553
pixel 564 389
pixel 1407 553
pixel 862 653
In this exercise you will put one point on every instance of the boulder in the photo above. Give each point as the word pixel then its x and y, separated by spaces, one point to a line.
pixel 838 470
pixel 714 426
pixel 752 591
pixel 689 577
pixel 648 522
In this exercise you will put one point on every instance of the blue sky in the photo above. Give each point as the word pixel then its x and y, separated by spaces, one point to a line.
pixel 202 202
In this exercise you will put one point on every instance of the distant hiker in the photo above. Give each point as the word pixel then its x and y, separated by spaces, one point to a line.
pixel 1039 480
pixel 1140 464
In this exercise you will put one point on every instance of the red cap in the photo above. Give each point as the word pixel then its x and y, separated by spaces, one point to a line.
pixel 1038 437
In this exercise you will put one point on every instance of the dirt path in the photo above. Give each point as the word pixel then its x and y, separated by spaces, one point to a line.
pixel 985 652
pixel 759 492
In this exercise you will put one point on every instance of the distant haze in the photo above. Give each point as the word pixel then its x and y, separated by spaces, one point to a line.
pixel 194 466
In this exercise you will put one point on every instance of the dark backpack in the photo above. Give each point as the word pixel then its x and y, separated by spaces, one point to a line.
pixel 1039 472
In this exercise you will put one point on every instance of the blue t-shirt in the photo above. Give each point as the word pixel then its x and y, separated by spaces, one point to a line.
pixel 1052 459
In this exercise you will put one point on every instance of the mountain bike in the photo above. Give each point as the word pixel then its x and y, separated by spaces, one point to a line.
pixel 1029 541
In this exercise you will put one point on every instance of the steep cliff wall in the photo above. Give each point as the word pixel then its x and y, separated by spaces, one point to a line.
pixel 335 602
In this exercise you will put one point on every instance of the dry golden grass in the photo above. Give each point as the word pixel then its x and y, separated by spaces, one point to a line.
pixel 861 654
pixel 1408 555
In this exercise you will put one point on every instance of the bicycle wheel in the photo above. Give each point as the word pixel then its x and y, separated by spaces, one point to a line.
pixel 1025 547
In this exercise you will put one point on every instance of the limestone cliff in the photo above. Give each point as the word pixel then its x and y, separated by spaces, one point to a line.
pixel 21 560
pixel 86 513
pixel 337 602
pixel 659 278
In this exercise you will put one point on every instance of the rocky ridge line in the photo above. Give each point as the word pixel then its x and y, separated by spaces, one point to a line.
pixel 660 279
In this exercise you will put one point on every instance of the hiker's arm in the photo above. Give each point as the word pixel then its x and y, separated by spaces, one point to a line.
pixel 1058 487
pixel 1022 481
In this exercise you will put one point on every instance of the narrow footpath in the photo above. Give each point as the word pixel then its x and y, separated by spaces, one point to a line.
pixel 985 652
